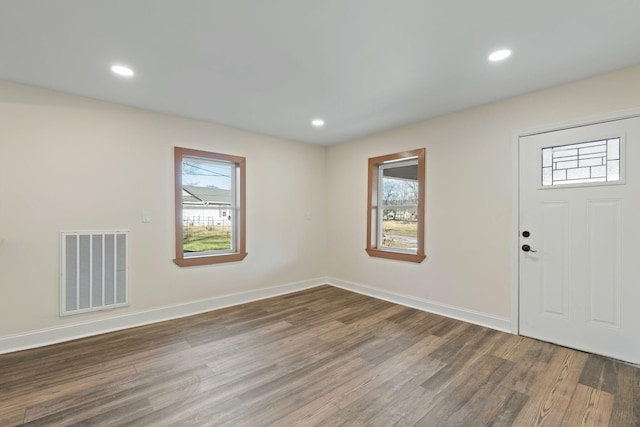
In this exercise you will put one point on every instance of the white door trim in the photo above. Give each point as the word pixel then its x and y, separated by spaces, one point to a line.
pixel 515 199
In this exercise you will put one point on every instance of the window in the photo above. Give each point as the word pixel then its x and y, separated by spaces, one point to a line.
pixel 582 163
pixel 210 207
pixel 395 219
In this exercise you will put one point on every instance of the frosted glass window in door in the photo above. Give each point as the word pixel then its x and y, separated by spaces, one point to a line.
pixel 582 163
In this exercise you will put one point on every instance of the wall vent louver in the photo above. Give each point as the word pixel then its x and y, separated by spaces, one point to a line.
pixel 94 268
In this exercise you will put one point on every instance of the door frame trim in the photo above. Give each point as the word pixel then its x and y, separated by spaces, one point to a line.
pixel 515 199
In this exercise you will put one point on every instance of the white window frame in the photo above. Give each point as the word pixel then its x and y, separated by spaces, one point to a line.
pixel 384 166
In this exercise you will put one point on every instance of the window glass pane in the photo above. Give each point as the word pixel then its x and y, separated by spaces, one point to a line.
pixel 399 195
pixel 400 229
pixel 547 176
pixel 207 187
pixel 400 185
pixel 559 175
pixel 582 163
pixel 578 173
pixel 591 162
pixel 546 157
pixel 613 149
pixel 572 164
pixel 599 172
pixel 613 170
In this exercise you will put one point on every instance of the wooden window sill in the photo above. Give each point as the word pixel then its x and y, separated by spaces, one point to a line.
pixel 418 258
pixel 209 259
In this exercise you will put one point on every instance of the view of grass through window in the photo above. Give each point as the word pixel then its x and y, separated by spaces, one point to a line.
pixel 203 239
pixel 206 205
pixel 400 232
pixel 399 196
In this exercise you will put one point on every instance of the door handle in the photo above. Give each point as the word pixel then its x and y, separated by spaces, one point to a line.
pixel 527 248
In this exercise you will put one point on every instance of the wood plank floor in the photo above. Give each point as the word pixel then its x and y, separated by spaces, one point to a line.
pixel 323 356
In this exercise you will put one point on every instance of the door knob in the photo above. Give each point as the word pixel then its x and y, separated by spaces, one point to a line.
pixel 527 248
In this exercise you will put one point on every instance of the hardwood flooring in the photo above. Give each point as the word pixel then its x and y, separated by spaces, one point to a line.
pixel 323 356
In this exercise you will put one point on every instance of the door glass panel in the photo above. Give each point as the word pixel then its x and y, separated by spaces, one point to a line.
pixel 582 163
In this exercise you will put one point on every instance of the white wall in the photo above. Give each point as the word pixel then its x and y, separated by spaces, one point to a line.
pixel 469 194
pixel 94 165
pixel 69 163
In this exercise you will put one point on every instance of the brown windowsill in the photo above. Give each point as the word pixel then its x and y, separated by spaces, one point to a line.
pixel 209 259
pixel 418 258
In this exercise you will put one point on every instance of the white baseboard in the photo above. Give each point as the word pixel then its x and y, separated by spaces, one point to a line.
pixel 68 332
pixel 490 321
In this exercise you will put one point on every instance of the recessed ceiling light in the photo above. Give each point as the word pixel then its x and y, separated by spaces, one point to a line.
pixel 499 55
pixel 317 122
pixel 121 70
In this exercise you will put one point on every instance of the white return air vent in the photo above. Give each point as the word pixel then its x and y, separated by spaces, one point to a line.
pixel 94 268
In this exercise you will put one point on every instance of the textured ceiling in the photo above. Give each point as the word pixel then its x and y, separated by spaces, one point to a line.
pixel 270 66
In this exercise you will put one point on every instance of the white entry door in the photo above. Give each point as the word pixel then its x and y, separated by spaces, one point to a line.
pixel 580 238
